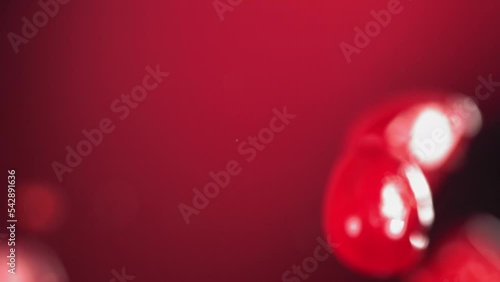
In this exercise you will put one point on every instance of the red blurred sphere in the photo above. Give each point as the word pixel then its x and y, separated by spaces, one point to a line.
pixel 373 213
pixel 41 207
pixel 379 204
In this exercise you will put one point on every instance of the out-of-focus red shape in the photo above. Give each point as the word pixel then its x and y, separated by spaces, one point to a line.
pixel 41 207
pixel 432 133
pixel 379 205
pixel 34 262
pixel 372 212
pixel 469 254
pixel 433 130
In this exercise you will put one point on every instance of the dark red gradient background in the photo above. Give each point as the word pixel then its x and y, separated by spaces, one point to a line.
pixel 225 79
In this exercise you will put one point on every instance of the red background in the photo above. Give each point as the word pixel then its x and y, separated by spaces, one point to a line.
pixel 226 77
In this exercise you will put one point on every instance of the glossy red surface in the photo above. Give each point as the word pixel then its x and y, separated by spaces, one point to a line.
pixel 372 213
pixel 379 204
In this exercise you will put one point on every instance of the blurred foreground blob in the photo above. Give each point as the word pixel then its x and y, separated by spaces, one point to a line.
pixel 31 262
pixel 471 254
pixel 378 212
pixel 379 204
pixel 434 133
pixel 42 207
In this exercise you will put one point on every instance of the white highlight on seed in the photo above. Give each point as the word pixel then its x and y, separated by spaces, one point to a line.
pixel 422 192
pixel 396 227
pixel 393 208
pixel 353 226
pixel 419 241
pixel 432 137
pixel 392 203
